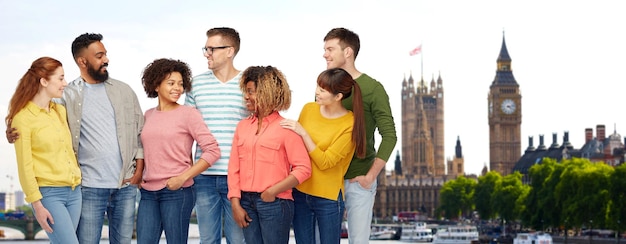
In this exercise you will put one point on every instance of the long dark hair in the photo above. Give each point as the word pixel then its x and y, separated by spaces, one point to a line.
pixel 339 81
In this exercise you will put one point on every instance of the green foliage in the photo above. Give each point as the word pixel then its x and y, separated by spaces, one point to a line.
pixel 26 209
pixel 456 197
pixel 617 190
pixel 482 194
pixel 506 195
pixel 573 193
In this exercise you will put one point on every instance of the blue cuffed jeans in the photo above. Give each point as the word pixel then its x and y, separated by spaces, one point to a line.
pixel 164 210
pixel 64 205
pixel 359 207
pixel 119 206
pixel 310 211
pixel 271 221
pixel 213 208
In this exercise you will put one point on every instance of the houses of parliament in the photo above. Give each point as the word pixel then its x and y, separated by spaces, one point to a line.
pixel 418 175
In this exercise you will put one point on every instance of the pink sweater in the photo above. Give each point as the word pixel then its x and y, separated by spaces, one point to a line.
pixel 258 162
pixel 167 139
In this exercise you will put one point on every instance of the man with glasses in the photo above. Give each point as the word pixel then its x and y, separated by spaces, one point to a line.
pixel 341 47
pixel 217 96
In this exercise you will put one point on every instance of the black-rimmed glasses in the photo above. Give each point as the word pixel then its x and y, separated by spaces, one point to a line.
pixel 210 50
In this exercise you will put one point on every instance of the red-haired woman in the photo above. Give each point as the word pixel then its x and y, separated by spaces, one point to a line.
pixel 48 171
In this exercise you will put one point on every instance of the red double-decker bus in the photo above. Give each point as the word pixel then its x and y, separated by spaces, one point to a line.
pixel 409 216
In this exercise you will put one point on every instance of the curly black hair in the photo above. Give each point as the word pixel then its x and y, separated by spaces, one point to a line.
pixel 157 71
pixel 83 41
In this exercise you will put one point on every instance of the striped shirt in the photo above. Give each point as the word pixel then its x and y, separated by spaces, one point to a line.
pixel 221 105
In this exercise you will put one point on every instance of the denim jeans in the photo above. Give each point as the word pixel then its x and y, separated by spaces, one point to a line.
pixel 311 210
pixel 359 206
pixel 119 206
pixel 63 203
pixel 213 208
pixel 164 210
pixel 271 221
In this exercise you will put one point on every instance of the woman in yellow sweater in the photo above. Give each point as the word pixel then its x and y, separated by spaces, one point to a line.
pixel 47 167
pixel 331 134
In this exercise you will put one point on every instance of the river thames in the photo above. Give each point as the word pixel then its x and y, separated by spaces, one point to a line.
pixel 41 238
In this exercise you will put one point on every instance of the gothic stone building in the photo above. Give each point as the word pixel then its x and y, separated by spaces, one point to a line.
pixel 415 182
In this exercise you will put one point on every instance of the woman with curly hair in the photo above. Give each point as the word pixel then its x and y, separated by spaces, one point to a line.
pixel 266 160
pixel 46 164
pixel 168 134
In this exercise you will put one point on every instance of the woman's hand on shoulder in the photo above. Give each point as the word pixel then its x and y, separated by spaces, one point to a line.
pixel 293 125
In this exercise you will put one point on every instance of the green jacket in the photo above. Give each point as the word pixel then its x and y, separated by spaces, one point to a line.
pixel 377 115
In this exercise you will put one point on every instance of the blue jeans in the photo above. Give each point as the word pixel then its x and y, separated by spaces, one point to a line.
pixel 271 221
pixel 311 210
pixel 164 210
pixel 119 206
pixel 63 203
pixel 359 206
pixel 213 208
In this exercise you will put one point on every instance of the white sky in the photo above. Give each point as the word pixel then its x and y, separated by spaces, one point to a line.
pixel 567 55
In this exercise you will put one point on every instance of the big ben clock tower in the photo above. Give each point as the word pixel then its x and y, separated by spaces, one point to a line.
pixel 505 116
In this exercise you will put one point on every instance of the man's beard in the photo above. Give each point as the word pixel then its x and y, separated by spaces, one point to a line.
pixel 96 74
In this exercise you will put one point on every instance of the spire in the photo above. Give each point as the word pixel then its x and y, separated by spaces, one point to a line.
pixel 504 52
pixel 398 164
pixel 404 84
pixel 432 84
pixel 504 73
pixel 439 80
pixel 411 83
pixel 421 87
pixel 457 149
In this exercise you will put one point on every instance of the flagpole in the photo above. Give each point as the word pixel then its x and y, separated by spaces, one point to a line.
pixel 422 60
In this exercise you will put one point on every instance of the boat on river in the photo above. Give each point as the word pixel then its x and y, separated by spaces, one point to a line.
pixel 416 232
pixel 455 234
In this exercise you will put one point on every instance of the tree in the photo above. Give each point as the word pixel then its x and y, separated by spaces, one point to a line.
pixel 482 194
pixel 583 192
pixel 618 197
pixel 456 197
pixel 506 195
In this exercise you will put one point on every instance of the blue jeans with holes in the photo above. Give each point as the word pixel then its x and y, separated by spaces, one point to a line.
pixel 359 207
pixel 164 210
pixel 271 221
pixel 311 211
pixel 213 208
pixel 119 206
pixel 64 204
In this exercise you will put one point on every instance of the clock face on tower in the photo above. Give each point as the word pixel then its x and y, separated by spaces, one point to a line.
pixel 508 106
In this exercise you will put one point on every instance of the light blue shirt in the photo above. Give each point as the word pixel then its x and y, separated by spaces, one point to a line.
pixel 221 106
pixel 98 149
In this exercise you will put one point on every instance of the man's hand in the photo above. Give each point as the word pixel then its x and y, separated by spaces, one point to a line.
pixel 11 133
pixel 364 181
pixel 136 179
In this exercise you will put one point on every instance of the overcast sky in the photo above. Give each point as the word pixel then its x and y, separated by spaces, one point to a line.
pixel 568 56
